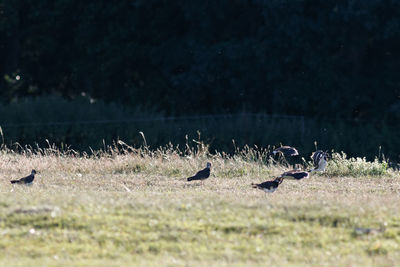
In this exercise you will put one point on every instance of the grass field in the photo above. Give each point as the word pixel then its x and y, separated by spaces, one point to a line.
pixel 134 207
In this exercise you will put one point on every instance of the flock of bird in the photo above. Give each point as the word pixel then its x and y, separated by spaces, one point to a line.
pixel 320 161
pixel 319 157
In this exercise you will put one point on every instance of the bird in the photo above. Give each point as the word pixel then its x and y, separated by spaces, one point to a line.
pixel 28 180
pixel 320 161
pixel 269 186
pixel 286 151
pixel 294 175
pixel 368 231
pixel 201 175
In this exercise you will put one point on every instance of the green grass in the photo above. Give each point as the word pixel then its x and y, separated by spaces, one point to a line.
pixel 135 208
pixel 340 166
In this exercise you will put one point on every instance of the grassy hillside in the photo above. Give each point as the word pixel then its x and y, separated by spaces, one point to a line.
pixel 132 206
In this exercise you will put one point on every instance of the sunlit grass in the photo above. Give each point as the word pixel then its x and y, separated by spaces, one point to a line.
pixel 341 165
pixel 124 206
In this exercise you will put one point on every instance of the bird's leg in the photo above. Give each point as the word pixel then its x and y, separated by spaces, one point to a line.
pixel 285 161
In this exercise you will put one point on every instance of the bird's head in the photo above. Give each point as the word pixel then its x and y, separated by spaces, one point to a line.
pixel 208 165
pixel 279 180
pixel 33 172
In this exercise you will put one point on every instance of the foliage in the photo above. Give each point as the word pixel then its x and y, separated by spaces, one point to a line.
pixel 326 59
pixel 340 165
pixel 242 163
pixel 86 125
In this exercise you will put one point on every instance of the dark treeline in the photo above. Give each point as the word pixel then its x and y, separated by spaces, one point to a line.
pixel 321 59
pixel 82 126
pixel 332 66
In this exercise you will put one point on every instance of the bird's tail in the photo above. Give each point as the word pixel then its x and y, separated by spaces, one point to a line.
pixel 190 179
pixel 14 181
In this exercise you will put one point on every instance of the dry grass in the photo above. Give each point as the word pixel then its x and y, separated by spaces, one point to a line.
pixel 135 206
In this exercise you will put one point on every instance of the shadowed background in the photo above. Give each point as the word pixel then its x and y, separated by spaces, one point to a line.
pixel 290 72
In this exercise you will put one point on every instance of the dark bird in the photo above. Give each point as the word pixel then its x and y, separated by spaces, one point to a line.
pixel 269 186
pixel 368 231
pixel 320 161
pixel 286 151
pixel 201 175
pixel 294 175
pixel 28 180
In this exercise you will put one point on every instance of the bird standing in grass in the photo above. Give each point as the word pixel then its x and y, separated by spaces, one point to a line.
pixel 269 186
pixel 201 175
pixel 286 151
pixel 294 175
pixel 320 161
pixel 28 180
